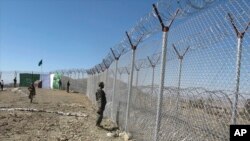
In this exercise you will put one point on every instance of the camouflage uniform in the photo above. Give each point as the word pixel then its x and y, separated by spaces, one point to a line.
pixel 2 84
pixel 101 103
pixel 68 84
pixel 60 84
pixel 14 82
pixel 32 90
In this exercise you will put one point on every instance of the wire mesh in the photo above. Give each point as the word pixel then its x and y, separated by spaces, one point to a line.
pixel 200 87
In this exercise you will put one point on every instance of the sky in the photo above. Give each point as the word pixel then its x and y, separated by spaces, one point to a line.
pixel 64 33
pixel 79 34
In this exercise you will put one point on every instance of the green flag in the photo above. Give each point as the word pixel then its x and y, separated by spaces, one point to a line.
pixel 40 63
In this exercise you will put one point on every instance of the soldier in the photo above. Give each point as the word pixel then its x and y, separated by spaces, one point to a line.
pixel 32 90
pixel 2 84
pixel 60 84
pixel 14 82
pixel 101 103
pixel 68 84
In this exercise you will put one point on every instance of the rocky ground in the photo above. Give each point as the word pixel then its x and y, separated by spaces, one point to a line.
pixel 54 116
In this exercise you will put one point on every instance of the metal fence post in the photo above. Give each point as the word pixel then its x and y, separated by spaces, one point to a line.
pixel 153 75
pixel 114 91
pixel 130 89
pixel 237 80
pixel 180 57
pixel 106 79
pixel 240 36
pixel 165 30
pixel 114 84
pixel 107 73
pixel 94 87
pixel 136 82
pixel 133 47
pixel 162 76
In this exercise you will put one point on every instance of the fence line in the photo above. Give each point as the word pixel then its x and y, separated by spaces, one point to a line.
pixel 205 88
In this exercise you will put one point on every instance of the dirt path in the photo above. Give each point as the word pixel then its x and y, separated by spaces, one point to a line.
pixel 38 125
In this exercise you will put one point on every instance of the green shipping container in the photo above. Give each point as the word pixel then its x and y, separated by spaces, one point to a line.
pixel 26 79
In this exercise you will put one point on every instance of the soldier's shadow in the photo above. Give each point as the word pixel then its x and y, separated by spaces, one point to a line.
pixel 109 129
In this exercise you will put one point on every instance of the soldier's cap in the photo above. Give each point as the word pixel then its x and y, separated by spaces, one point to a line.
pixel 100 83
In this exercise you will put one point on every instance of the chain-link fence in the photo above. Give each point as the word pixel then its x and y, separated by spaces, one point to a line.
pixel 76 77
pixel 188 82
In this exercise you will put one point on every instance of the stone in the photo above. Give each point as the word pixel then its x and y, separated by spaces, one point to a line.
pixel 127 136
pixel 111 134
pixel 121 134
pixel 14 90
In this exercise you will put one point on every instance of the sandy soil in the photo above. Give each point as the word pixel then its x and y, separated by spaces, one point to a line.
pixel 28 126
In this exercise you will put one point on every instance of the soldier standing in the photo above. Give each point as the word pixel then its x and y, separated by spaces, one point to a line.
pixel 68 84
pixel 60 84
pixel 2 84
pixel 14 82
pixel 101 103
pixel 32 90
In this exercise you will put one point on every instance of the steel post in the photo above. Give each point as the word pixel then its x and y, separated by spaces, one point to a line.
pixel 114 91
pixel 130 89
pixel 162 77
pixel 237 81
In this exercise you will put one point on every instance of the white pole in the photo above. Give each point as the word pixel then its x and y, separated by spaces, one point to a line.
pixel 237 81
pixel 114 91
pixel 120 81
pixel 160 94
pixel 94 88
pixel 130 89
pixel 136 83
pixel 153 77
pixel 106 79
pixel 152 85
pixel 179 84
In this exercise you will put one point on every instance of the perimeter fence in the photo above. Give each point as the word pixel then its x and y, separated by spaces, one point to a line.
pixel 181 73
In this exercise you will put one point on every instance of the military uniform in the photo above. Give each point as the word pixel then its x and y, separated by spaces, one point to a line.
pixel 101 103
pixel 14 82
pixel 32 92
pixel 2 84
pixel 68 84
pixel 60 84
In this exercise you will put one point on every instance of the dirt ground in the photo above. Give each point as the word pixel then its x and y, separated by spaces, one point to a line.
pixel 18 125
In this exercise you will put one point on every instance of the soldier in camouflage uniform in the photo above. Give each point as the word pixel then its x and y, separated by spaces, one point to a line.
pixel 2 84
pixel 32 90
pixel 60 84
pixel 68 84
pixel 14 82
pixel 101 103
